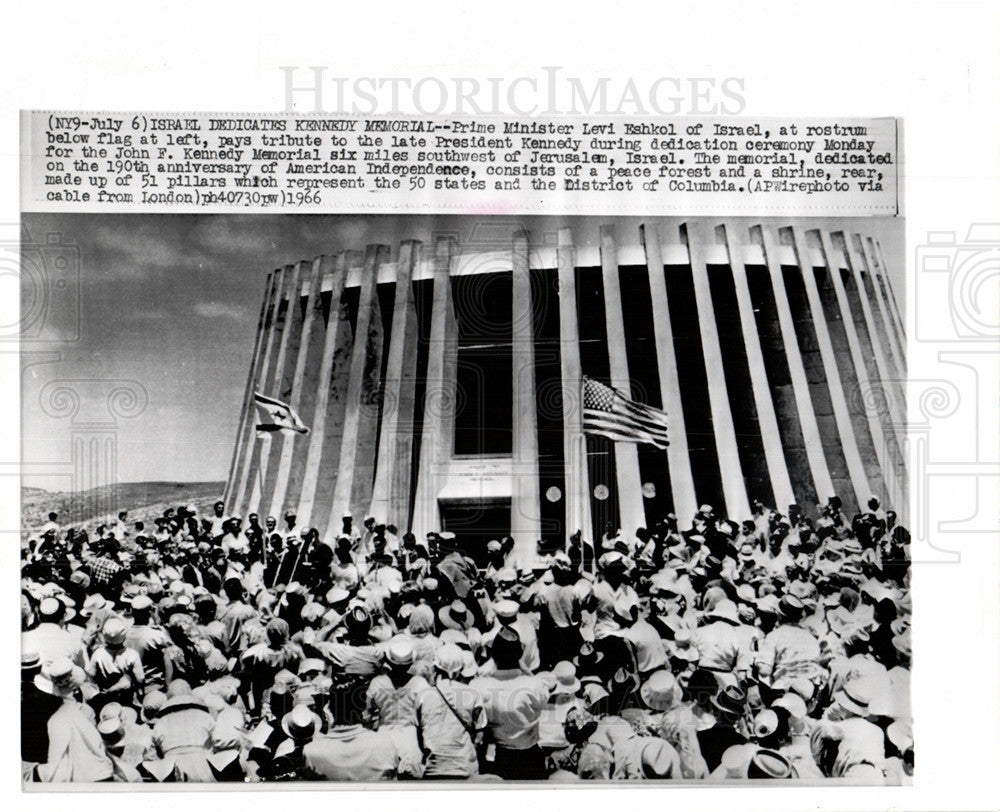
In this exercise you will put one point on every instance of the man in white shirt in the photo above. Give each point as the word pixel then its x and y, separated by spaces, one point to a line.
pixel 514 702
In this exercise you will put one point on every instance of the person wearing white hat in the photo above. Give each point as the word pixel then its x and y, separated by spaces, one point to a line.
pixel 50 638
pixel 564 695
pixel 151 641
pixel 725 646
pixel 115 668
pixel 37 707
pixel 76 751
pixel 638 757
pixel 451 716
pixel 514 702
pixel 392 699
pixel 650 652
pixel 790 651
pixel 509 615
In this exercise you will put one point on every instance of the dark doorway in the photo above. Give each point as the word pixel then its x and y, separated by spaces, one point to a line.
pixel 474 523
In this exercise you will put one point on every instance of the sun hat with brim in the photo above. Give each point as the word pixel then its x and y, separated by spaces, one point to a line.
pixel 141 603
pixel 769 764
pixel 625 608
pixel 312 665
pixel 855 696
pixel 613 561
pixel 61 678
pixel 768 604
pixel 566 681
pixel 113 710
pixel 790 607
pixel 660 691
pixel 301 723
pixel 793 703
pixel 455 616
pixel 903 643
pixel 725 610
pixel 30 660
pixel 450 660
pixel 876 591
pixel 730 699
pixel 658 759
pixel 152 702
pixel 52 610
pixel 114 632
pixel 900 733
pixel 399 651
pixel 112 731
pixel 682 647
pixel 506 609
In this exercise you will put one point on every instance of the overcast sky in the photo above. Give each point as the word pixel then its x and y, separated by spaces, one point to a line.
pixel 171 301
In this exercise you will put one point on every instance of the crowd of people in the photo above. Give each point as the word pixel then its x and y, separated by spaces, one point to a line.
pixel 206 648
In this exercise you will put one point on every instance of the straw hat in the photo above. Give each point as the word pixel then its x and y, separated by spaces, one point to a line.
pixel 61 678
pixel 566 681
pixel 400 651
pixel 301 724
pixel 660 692
pixel 455 616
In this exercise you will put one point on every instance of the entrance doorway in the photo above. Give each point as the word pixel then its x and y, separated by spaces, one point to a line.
pixel 474 523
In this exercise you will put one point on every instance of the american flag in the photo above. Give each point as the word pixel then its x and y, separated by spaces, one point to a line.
pixel 607 412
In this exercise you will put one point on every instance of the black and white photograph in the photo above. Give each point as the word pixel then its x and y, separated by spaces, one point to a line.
pixel 434 406
pixel 373 498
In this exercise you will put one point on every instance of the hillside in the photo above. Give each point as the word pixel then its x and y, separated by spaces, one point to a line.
pixel 142 500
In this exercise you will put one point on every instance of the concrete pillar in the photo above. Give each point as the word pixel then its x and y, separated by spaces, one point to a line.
pixel 733 485
pixel 888 456
pixel 391 494
pixel 326 427
pixel 352 491
pixel 525 508
pixel 303 380
pixel 774 454
pixel 841 412
pixel 630 504
pixel 896 357
pixel 890 295
pixel 251 477
pixel 278 387
pixel 244 433
pixel 437 437
pixel 889 311
pixel 678 457
pixel 800 384
pixel 574 446
pixel 891 380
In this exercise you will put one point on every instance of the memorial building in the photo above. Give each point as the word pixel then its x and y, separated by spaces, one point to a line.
pixel 441 383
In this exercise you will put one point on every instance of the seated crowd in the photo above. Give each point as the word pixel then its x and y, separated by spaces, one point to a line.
pixel 205 648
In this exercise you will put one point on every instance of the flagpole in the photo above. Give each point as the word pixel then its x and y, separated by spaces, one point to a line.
pixel 264 538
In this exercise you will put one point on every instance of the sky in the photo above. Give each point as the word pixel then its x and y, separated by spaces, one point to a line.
pixel 159 312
